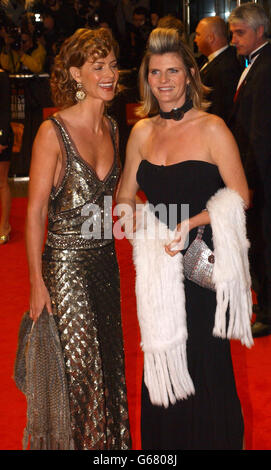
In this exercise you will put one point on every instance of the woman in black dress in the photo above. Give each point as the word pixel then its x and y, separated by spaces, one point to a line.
pixel 5 155
pixel 183 155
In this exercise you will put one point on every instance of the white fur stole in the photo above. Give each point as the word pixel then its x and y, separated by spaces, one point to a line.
pixel 161 314
pixel 231 268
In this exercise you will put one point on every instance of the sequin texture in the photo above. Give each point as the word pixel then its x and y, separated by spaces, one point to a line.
pixel 82 277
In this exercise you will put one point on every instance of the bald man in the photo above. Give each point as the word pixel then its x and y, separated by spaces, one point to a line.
pixel 222 70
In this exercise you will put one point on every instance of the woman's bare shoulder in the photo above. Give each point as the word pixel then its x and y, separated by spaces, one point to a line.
pixel 46 137
pixel 46 128
pixel 143 127
pixel 212 123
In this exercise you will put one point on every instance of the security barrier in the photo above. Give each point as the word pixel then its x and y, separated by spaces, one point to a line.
pixel 29 95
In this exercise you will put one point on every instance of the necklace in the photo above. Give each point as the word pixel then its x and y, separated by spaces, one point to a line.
pixel 177 113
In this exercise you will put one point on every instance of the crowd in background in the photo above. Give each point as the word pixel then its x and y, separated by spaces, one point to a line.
pixel 31 33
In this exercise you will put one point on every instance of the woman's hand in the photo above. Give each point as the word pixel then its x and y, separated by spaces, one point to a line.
pixel 180 236
pixel 130 218
pixel 39 298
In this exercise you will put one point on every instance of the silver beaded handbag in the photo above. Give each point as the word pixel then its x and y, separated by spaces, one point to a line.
pixel 198 262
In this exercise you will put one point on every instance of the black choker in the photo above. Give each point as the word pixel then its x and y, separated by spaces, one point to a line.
pixel 177 113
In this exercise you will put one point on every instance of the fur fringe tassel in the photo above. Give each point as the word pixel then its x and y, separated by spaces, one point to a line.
pixel 166 376
pixel 231 269
pixel 47 442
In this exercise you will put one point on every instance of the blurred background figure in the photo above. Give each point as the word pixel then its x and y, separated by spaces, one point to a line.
pixel 137 35
pixel 124 10
pixel 22 52
pixel 50 37
pixel 127 8
pixel 64 14
pixel 154 18
pixel 222 69
pixel 95 13
pixel 6 140
pixel 14 10
pixel 170 21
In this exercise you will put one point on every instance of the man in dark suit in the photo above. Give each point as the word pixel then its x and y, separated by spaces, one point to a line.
pixel 222 70
pixel 251 126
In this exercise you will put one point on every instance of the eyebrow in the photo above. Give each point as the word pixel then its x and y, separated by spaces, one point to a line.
pixel 238 30
pixel 169 68
pixel 100 61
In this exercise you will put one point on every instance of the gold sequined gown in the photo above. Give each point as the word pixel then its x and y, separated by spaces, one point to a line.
pixel 82 276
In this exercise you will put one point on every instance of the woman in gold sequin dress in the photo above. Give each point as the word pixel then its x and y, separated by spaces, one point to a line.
pixel 74 169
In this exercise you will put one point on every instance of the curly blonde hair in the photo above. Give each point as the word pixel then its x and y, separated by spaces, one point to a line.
pixel 75 51
pixel 162 41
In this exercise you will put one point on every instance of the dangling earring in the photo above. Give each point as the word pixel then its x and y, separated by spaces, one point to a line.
pixel 80 93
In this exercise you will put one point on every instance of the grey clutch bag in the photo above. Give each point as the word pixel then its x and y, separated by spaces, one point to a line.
pixel 198 262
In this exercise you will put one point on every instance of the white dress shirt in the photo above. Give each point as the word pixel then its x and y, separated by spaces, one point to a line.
pixel 247 69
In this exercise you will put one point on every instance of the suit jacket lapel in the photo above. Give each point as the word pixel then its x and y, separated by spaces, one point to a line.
pixel 247 79
pixel 249 75
pixel 212 64
pixel 209 66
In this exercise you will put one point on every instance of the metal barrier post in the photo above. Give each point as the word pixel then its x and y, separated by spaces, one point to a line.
pixel 186 16
pixel 29 96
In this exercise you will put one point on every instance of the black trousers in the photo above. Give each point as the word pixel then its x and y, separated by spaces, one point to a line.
pixel 259 234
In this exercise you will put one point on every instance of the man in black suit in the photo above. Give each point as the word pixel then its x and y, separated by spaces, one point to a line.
pixel 251 126
pixel 222 70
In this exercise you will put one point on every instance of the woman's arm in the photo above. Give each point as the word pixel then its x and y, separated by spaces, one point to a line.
pixel 126 197
pixel 128 184
pixel 44 162
pixel 225 154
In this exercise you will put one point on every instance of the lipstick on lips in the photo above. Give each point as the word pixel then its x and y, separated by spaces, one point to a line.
pixel 165 88
pixel 107 86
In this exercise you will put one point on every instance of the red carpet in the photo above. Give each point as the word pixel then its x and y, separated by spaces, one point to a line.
pixel 252 367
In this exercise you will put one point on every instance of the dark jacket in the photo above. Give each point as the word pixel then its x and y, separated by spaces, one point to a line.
pixel 222 75
pixel 5 110
pixel 250 122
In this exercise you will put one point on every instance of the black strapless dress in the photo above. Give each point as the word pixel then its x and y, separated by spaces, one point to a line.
pixel 212 418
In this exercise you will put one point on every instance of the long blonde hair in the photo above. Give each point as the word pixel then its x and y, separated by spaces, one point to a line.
pixel 162 41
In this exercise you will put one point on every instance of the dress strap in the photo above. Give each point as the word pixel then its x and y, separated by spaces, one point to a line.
pixel 114 132
pixel 63 144
pixel 114 126
pixel 61 135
